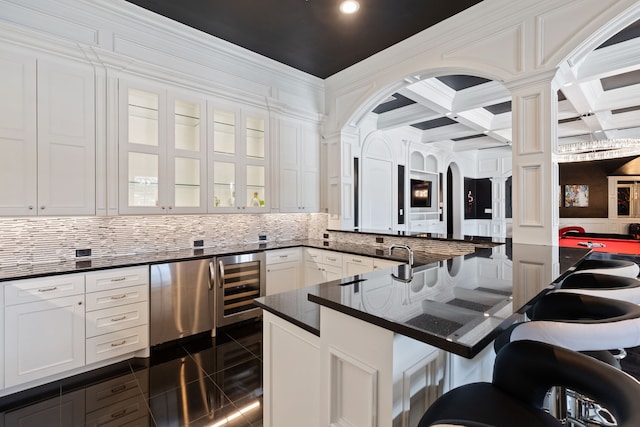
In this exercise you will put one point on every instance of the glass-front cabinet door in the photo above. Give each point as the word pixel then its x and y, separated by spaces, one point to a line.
pixel 186 162
pixel 237 172
pixel 162 151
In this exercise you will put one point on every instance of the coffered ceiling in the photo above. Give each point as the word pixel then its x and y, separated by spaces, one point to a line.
pixel 600 100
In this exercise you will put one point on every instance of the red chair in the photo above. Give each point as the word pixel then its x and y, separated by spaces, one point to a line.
pixel 576 228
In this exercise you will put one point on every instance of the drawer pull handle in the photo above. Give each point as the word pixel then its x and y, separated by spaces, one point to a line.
pixel 48 289
pixel 284 256
pixel 118 279
pixel 356 260
pixel 117 319
pixel 119 296
pixel 331 259
pixel 120 413
pixel 119 389
pixel 118 344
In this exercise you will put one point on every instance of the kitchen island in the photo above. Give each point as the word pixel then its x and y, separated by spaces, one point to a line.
pixel 378 348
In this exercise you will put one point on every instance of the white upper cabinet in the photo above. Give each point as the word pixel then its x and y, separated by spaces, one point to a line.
pixel 47 137
pixel 162 151
pixel 238 165
pixel 299 167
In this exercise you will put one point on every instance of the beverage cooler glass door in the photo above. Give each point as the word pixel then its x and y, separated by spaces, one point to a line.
pixel 239 280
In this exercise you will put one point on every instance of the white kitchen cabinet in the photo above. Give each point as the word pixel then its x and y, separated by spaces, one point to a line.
pixel 117 312
pixel 1 338
pixel 47 137
pixel 355 264
pixel 162 150
pixel 238 165
pixel 284 270
pixel 299 167
pixel 44 332
pixel 380 264
pixel 322 266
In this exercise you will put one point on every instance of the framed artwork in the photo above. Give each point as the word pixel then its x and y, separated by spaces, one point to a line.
pixel 576 195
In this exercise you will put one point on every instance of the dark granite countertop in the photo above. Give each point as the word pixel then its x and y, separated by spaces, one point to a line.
pixel 81 265
pixel 446 303
pixel 426 235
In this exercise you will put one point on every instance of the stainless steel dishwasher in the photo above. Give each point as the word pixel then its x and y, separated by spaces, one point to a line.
pixel 181 300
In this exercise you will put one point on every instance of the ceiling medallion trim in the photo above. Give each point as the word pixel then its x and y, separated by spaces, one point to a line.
pixel 602 149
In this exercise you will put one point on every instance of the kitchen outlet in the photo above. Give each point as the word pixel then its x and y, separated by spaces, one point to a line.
pixel 262 238
pixel 325 235
pixel 379 239
pixel 198 243
pixel 83 252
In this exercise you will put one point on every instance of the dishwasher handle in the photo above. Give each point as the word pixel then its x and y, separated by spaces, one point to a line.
pixel 212 275
pixel 221 281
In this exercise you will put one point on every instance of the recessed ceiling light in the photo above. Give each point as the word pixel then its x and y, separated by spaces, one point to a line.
pixel 349 6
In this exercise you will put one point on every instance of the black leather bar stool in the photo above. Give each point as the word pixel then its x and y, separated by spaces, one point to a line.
pixel 523 373
pixel 602 285
pixel 614 267
pixel 578 322
pixel 599 327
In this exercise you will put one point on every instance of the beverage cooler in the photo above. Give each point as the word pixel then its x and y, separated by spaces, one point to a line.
pixel 238 280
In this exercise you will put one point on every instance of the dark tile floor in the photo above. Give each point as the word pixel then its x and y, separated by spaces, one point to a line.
pixel 199 382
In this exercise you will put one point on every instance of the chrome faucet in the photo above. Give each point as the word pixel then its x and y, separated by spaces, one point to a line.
pixel 409 250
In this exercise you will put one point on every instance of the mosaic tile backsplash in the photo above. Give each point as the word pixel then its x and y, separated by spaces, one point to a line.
pixel 53 239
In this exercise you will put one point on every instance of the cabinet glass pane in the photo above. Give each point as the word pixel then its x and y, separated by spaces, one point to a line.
pixel 143 179
pixel 187 123
pixel 224 184
pixel 224 132
pixel 255 186
pixel 187 185
pixel 255 137
pixel 143 117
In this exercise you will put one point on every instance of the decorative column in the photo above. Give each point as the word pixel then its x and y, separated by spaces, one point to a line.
pixel 340 179
pixel 535 174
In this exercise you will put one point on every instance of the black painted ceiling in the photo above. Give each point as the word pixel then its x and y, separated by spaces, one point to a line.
pixel 310 35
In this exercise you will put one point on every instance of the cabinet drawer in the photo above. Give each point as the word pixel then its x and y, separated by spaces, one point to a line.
pixel 359 260
pixel 283 255
pixel 117 318
pixel 116 390
pixel 332 258
pixel 315 255
pixel 45 288
pixel 117 343
pixel 118 278
pixel 116 297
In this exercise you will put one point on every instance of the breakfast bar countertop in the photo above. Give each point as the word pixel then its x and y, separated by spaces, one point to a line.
pixel 456 304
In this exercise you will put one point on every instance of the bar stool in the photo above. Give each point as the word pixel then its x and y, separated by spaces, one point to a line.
pixel 614 267
pixel 590 324
pixel 523 373
pixel 602 285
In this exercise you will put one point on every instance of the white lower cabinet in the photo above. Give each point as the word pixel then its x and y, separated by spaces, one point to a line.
pixel 52 325
pixel 355 264
pixel 43 338
pixel 117 313
pixel 283 270
pixel 43 327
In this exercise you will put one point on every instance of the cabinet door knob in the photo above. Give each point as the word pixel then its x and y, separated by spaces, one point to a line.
pixel 163 208
pixel 42 207
pixel 30 208
pixel 170 207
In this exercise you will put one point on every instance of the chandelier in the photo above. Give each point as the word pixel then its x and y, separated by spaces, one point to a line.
pixel 600 149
